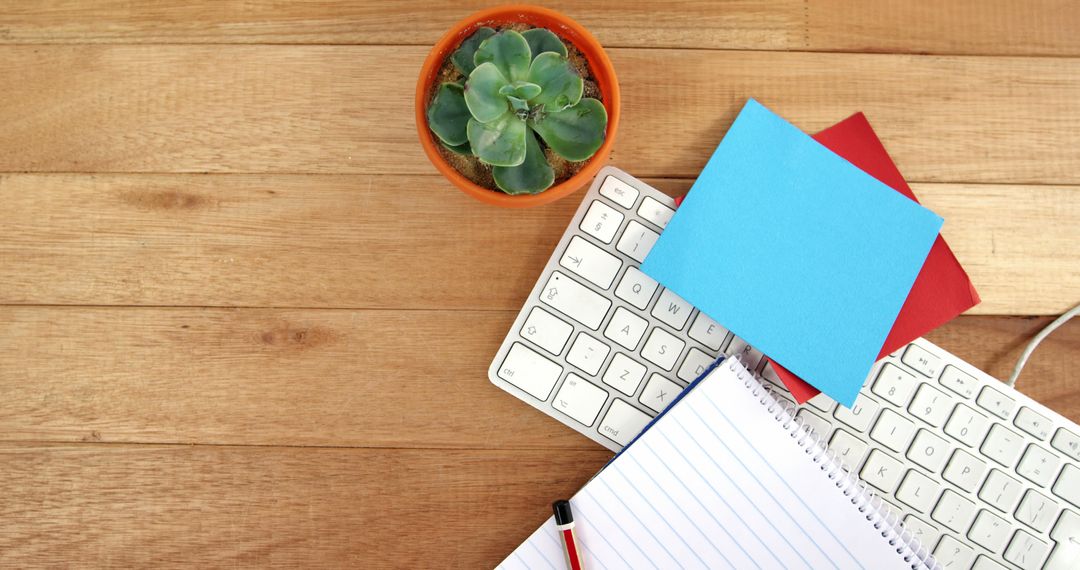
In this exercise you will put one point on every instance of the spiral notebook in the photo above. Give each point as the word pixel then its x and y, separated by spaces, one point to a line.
pixel 727 479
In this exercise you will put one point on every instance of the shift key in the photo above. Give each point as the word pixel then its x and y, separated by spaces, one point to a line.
pixel 575 300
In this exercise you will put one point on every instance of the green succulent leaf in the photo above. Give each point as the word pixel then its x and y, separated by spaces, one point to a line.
pixel 500 142
pixel 448 115
pixel 483 93
pixel 560 85
pixel 521 90
pixel 575 133
pixel 543 40
pixel 531 176
pixel 518 104
pixel 462 58
pixel 510 53
pixel 463 148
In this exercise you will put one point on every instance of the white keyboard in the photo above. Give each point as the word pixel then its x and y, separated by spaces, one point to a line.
pixel 985 476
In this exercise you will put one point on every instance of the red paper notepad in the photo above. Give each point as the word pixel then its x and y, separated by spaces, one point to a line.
pixel 941 291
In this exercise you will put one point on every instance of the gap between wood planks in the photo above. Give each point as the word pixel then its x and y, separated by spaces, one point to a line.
pixel 1043 28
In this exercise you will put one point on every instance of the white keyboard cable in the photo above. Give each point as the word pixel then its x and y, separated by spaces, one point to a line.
pixel 1039 338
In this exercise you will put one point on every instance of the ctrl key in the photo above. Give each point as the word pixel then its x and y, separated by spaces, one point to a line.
pixel 526 369
pixel 623 422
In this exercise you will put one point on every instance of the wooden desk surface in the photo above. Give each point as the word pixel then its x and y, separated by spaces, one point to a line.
pixel 245 323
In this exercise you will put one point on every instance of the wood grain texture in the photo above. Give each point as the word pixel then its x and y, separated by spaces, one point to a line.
pixel 243 324
pixel 337 109
pixel 376 241
pixel 1044 27
pixel 337 377
pixel 125 506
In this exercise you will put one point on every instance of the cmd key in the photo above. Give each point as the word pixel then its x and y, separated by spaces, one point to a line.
pixel 622 422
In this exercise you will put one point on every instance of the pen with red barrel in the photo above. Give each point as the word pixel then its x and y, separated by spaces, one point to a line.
pixel 564 525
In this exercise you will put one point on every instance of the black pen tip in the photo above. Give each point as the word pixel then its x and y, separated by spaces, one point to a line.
pixel 563 514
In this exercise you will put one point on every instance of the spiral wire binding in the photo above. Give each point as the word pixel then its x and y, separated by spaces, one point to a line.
pixel 861 496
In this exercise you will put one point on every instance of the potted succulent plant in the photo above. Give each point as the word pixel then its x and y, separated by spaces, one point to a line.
pixel 517 106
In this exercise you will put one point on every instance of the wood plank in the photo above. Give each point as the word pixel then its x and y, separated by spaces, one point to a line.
pixel 337 109
pixel 1044 27
pixel 380 241
pixel 122 506
pixel 337 377
pixel 994 344
pixel 263 377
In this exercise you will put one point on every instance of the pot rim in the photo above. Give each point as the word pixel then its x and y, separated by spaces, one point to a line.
pixel 568 30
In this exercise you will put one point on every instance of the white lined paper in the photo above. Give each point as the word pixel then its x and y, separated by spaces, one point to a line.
pixel 715 483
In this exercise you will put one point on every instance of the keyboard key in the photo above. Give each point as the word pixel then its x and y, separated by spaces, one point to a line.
pixel 588 354
pixel 1000 491
pixel 708 332
pixel 892 431
pixel 1038 465
pixel 1066 556
pixel 1036 510
pixel 546 330
pixel 965 470
pixel 951 553
pixel 894 384
pixel 1067 535
pixel 636 288
pixel 1026 551
pixel 958 381
pixel 966 425
pixel 918 491
pixel 995 402
pixel 954 511
pixel 672 310
pixel 749 355
pixel 601 221
pixel 622 422
pixel 822 402
pixel 1067 442
pixel 1033 422
pixel 1002 445
pixel 881 471
pixel 575 300
pixel 662 349
pixel 696 363
pixel 590 262
pixel 769 375
pixel 848 448
pixel 626 328
pixel 784 400
pixel 989 531
pixel 655 212
pixel 659 392
pixel 860 415
pixel 624 374
pixel 931 405
pixel 579 399
pixel 984 563
pixel 619 192
pixel 929 450
pixel 926 534
pixel 636 241
pixel 525 368
pixel 820 425
pixel 1068 485
pixel 920 360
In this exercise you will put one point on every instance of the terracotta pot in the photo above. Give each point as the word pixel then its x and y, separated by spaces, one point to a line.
pixel 569 31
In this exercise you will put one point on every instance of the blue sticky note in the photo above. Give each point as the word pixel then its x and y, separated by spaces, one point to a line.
pixel 797 251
